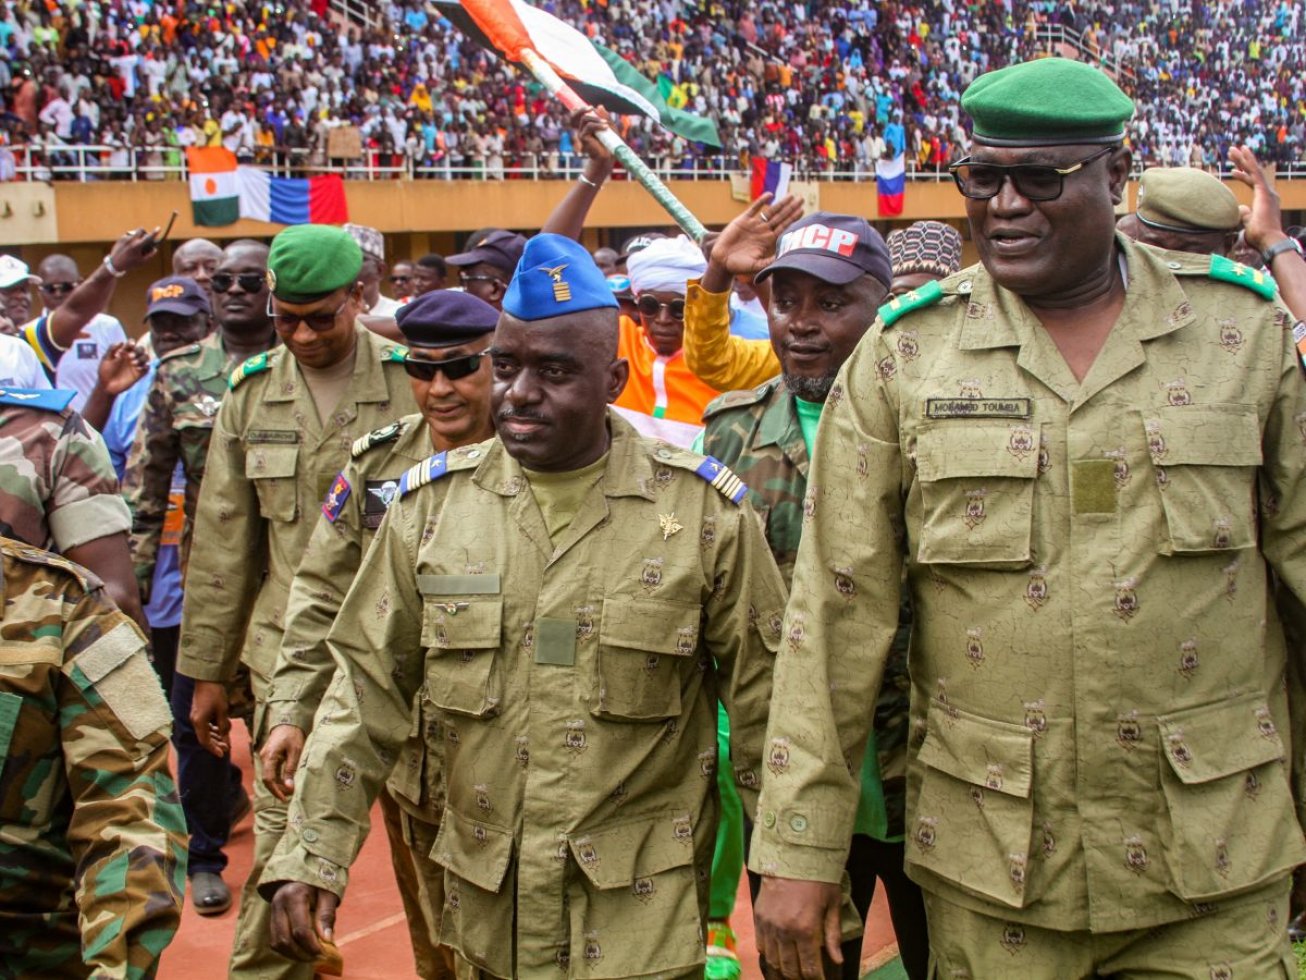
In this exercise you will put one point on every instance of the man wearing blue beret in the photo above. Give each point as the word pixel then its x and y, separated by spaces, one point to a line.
pixel 572 598
pixel 448 369
pixel 281 435
pixel 1088 456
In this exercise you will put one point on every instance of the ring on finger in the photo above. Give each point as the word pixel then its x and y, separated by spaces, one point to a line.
pixel 766 218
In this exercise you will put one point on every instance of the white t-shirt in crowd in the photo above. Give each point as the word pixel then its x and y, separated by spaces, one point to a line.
pixel 79 367
pixel 19 367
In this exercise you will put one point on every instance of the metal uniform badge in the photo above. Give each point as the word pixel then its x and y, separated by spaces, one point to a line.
pixel 561 288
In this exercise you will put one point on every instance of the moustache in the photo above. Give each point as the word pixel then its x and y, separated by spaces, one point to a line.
pixel 507 414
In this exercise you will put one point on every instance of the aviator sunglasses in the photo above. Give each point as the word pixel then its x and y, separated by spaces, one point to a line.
pixel 453 368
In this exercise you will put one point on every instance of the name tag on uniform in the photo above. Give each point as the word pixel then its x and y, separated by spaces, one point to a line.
pixel 979 408
pixel 555 641
pixel 272 436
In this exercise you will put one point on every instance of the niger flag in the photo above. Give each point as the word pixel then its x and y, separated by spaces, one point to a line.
pixel 214 188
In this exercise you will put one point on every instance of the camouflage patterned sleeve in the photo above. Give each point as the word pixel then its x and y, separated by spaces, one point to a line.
pixel 84 501
pixel 147 481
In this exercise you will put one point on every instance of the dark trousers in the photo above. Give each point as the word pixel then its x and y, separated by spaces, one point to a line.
pixel 209 786
pixel 869 859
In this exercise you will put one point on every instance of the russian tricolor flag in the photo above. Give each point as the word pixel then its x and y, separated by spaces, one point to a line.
pixel 890 182
pixel 770 176
pixel 292 200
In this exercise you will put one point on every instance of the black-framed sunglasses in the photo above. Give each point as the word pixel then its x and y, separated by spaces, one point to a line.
pixel 250 282
pixel 396 280
pixel 58 288
pixel 1032 181
pixel 317 322
pixel 453 368
pixel 651 306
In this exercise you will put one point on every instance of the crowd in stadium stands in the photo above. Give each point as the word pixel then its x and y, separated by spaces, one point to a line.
pixel 829 86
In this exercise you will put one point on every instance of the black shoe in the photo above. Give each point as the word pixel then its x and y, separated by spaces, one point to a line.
pixel 241 808
pixel 209 893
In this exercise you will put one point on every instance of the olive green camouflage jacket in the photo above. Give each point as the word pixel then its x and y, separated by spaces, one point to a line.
pixel 756 433
pixel 92 837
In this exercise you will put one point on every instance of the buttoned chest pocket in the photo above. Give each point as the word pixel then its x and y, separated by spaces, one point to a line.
pixel 272 471
pixel 462 630
pixel 977 492
pixel 1205 460
pixel 645 647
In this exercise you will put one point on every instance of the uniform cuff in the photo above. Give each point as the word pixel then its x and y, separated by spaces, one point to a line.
pixel 779 849
pixel 300 864
pixel 89 520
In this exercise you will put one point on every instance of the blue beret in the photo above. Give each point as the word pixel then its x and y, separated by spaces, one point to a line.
pixel 556 276
pixel 445 318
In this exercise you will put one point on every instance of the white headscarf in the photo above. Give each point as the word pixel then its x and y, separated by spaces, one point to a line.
pixel 666 265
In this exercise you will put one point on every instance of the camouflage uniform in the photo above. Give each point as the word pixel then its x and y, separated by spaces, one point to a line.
pixel 92 838
pixel 1095 751
pixel 756 433
pixel 175 425
pixel 592 665
pixel 269 466
pixel 415 799
pixel 58 488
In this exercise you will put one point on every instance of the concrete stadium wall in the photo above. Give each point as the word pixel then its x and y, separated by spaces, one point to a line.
pixel 420 216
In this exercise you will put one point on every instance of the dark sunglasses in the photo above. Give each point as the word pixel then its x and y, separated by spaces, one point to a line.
pixel 250 282
pixel 453 369
pixel 399 279
pixel 58 288
pixel 317 322
pixel 649 306
pixel 1032 181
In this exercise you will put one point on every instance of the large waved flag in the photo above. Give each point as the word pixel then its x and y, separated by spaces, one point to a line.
pixel 598 74
pixel 890 184
pixel 214 188
pixel 222 192
pixel 770 176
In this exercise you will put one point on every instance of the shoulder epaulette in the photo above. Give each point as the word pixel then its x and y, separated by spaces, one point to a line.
pixel 255 365
pixel 707 468
pixel 377 437
pixel 439 465
pixel 47 399
pixel 740 399
pixel 393 354
pixel 179 352
pixel 35 556
pixel 1227 270
pixel 917 299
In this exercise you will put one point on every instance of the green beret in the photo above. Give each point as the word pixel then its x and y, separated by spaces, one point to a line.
pixel 1186 199
pixel 309 261
pixel 1048 102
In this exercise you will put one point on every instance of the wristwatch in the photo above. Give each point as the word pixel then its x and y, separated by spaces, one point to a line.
pixel 1279 247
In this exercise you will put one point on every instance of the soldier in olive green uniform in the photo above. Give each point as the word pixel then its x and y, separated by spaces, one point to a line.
pixel 453 393
pixel 281 435
pixel 1092 454
pixel 92 839
pixel 575 600
pixel 831 273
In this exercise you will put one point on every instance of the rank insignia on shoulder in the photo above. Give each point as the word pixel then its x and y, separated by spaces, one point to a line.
pixel 917 299
pixel 394 354
pixel 431 468
pixel 336 497
pixel 377 437
pixel 46 399
pixel 723 479
pixel 255 365
pixel 1227 270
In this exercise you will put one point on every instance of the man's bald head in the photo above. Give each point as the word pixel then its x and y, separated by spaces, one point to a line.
pixel 59 277
pixel 197 259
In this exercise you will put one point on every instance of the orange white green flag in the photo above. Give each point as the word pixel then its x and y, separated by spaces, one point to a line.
pixel 214 185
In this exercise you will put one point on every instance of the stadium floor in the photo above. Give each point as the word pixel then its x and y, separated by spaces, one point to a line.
pixel 371 931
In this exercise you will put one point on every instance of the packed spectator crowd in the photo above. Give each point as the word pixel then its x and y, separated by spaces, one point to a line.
pixel 829 86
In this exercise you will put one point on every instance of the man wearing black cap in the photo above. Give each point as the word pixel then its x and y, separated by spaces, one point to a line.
pixel 280 436
pixel 447 333
pixel 828 274
pixel 573 599
pixel 485 269
pixel 1087 457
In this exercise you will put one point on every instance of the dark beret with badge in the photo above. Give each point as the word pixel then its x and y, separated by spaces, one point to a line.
pixel 307 262
pixel 1046 102
pixel 445 318
pixel 556 276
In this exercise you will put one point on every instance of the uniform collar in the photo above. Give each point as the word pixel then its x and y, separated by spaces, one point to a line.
pixel 779 425
pixel 366 384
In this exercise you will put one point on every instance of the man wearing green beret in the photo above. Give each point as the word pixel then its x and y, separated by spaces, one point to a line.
pixel 1088 457
pixel 280 437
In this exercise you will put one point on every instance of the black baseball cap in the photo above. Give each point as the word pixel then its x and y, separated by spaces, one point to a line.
pixel 176 294
pixel 834 247
pixel 501 249
pixel 445 318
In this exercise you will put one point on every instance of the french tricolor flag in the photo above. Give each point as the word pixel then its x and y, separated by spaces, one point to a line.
pixel 890 182
pixel 770 176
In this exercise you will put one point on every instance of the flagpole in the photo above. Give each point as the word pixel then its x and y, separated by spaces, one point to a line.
pixel 636 167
